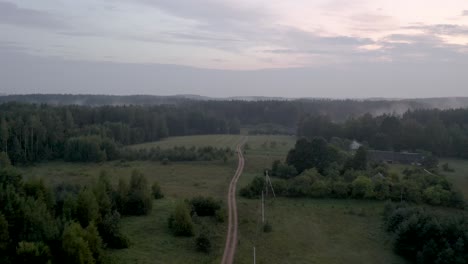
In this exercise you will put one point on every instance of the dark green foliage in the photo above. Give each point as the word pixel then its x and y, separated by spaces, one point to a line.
pixel 38 223
pixel 220 215
pixel 87 208
pixel 362 187
pixel 180 221
pixel 89 148
pixel 267 228
pixel 4 160
pixel 4 236
pixel 360 159
pixel 78 245
pixel 109 229
pixel 254 189
pixel 176 154
pixel 316 153
pixel 139 200
pixel 30 133
pixel 135 197
pixel 33 252
pixel 285 171
pixel 156 191
pixel 205 206
pixel 203 243
pixel 426 237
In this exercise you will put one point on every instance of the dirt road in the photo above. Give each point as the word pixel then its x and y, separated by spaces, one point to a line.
pixel 231 238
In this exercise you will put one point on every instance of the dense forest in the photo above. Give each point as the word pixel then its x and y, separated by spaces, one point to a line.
pixel 441 132
pixel 32 132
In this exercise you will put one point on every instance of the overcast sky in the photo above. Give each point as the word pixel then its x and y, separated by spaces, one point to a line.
pixel 297 48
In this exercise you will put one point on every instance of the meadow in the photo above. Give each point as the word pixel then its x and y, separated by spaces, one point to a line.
pixel 304 230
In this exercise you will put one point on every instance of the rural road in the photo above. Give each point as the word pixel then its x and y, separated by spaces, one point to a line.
pixel 231 238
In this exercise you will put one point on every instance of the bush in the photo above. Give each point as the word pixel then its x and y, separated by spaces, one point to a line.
pixel 75 245
pixel 165 161
pixel 202 243
pixel 362 187
pixel 156 190
pixel 220 215
pixel 254 189
pixel 205 206
pixel 109 229
pixel 340 189
pixel 285 171
pixel 427 237
pixel 139 200
pixel 180 221
pixel 267 228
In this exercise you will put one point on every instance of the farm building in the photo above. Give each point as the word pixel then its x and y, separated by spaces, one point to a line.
pixel 395 157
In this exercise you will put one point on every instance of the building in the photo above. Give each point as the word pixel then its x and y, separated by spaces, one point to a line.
pixel 395 157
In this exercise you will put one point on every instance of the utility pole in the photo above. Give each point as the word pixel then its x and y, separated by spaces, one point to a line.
pixel 271 185
pixel 263 209
pixel 254 256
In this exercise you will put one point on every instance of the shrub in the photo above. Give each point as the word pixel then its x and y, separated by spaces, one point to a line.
pixel 202 243
pixel 220 215
pixel 254 189
pixel 156 190
pixel 205 206
pixel 139 200
pixel 87 209
pixel 180 221
pixel 267 228
pixel 109 229
pixel 340 189
pixel 362 187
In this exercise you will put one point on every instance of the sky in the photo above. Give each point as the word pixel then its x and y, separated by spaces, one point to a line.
pixel 297 48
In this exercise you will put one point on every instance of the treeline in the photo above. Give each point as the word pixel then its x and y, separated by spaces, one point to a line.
pixel 67 223
pixel 177 154
pixel 442 132
pixel 30 133
pixel 318 169
pixel 425 236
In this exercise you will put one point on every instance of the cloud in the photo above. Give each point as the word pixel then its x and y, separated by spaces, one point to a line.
pixel 11 14
pixel 441 29
pixel 465 13
pixel 210 13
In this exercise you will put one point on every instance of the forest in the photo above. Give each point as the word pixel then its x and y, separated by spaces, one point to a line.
pixel 31 132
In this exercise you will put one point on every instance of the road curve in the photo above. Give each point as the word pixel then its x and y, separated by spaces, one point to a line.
pixel 231 238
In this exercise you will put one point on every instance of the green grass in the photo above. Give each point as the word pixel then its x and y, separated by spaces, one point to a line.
pixel 459 177
pixel 152 241
pixel 314 231
pixel 178 180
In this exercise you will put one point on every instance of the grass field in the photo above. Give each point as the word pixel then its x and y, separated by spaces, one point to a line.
pixel 459 177
pixel 304 230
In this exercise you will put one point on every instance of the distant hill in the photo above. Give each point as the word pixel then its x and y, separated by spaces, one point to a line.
pixel 347 107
